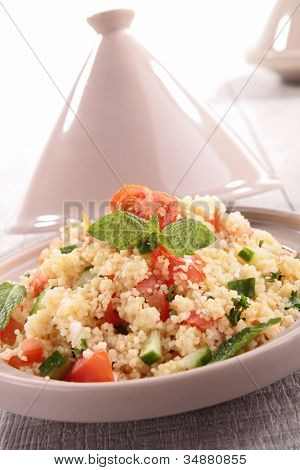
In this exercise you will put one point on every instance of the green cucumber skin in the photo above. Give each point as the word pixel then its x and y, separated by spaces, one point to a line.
pixel 60 372
pixel 49 366
pixel 246 254
pixel 197 358
pixel 151 351
pixel 205 359
pixel 38 303
pixel 150 357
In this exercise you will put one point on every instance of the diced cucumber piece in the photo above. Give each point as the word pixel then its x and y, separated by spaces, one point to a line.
pixel 246 254
pixel 151 351
pixel 197 358
pixel 255 256
pixel 55 366
pixel 38 304
pixel 243 286
pixel 85 277
pixel 60 372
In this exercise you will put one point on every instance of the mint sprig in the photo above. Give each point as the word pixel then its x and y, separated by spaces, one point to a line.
pixel 186 236
pixel 230 347
pixel 10 296
pixel 120 229
pixel 124 230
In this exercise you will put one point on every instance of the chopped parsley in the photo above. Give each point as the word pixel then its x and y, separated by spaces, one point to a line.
pixel 294 301
pixel 240 304
pixel 261 242
pixel 210 297
pixel 171 295
pixel 173 312
pixel 275 276
pixel 84 346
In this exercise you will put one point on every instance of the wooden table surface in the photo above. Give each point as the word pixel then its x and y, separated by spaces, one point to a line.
pixel 267 117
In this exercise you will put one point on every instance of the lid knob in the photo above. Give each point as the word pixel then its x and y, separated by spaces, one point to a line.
pixel 110 21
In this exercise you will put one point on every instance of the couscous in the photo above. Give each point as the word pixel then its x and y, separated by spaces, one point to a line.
pixel 157 286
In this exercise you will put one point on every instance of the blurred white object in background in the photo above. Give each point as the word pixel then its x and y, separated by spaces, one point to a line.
pixel 279 45
pixel 128 121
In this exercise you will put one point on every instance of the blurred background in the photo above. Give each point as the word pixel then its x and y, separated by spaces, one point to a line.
pixel 201 42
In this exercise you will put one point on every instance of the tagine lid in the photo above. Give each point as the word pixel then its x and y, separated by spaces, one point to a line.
pixel 127 120
pixel 278 47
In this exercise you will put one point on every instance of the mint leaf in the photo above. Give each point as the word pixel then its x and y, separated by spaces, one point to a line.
pixel 120 229
pixel 67 249
pixel 186 236
pixel 10 296
pixel 230 347
pixel 5 289
pixel 150 240
pixel 153 225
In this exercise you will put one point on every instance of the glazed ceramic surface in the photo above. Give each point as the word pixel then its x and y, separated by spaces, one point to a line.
pixel 158 396
pixel 128 121
pixel 279 44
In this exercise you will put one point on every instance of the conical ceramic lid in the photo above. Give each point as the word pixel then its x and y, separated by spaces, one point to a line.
pixel 278 48
pixel 128 121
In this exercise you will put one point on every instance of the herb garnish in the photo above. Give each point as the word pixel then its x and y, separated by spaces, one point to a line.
pixel 123 230
pixel 274 276
pixel 243 286
pixel 65 250
pixel 84 346
pixel 240 304
pixel 11 295
pixel 261 242
pixel 294 301
pixel 173 312
pixel 230 347
pixel 171 295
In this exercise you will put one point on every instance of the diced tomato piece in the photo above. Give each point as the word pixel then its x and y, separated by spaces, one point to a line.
pixel 38 283
pixel 194 263
pixel 216 221
pixel 199 322
pixel 166 207
pixel 16 362
pixel 154 297
pixel 159 300
pixel 143 202
pixel 8 336
pixel 133 198
pixel 95 369
pixel 112 316
pixel 144 286
pixel 31 348
pixel 195 268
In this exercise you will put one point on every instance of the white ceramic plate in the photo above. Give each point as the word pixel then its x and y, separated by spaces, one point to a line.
pixel 158 396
